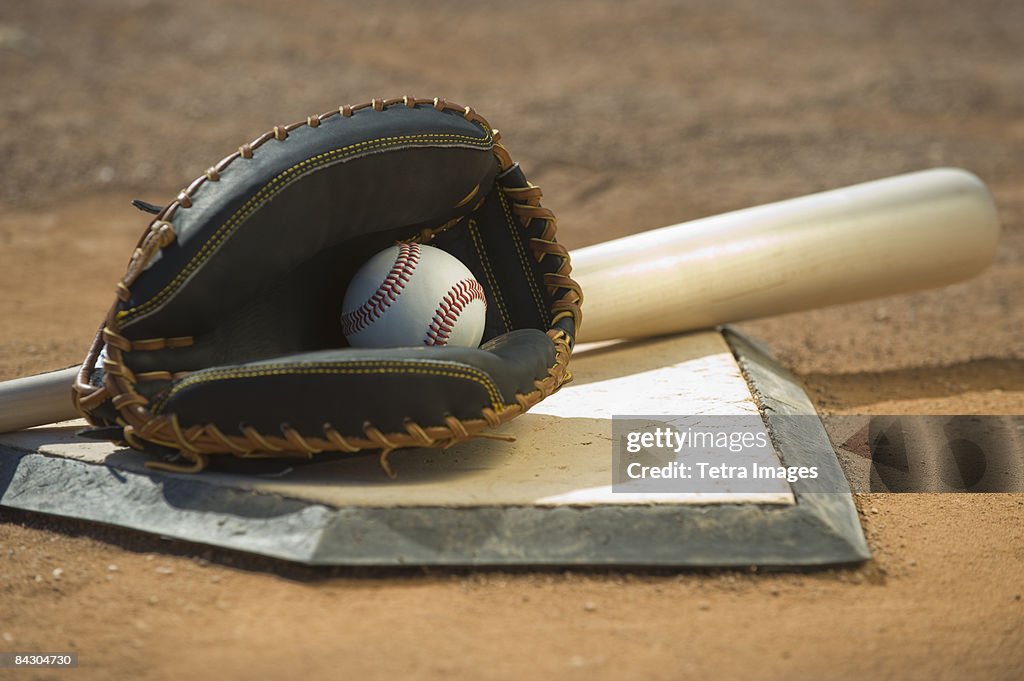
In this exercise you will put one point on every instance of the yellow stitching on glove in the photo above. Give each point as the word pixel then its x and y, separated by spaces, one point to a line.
pixel 478 242
pixel 267 192
pixel 284 370
pixel 521 252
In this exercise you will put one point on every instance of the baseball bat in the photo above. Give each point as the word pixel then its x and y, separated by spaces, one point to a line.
pixel 36 400
pixel 890 236
pixel 886 237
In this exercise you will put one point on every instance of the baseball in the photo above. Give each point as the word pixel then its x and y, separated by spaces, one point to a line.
pixel 412 294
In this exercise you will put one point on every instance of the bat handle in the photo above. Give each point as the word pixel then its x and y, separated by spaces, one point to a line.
pixel 37 400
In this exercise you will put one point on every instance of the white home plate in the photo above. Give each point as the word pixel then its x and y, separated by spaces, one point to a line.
pixel 480 502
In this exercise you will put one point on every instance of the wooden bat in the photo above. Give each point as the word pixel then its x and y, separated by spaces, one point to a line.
pixel 36 400
pixel 891 236
pixel 896 235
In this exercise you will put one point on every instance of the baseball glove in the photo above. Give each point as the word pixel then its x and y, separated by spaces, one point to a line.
pixel 225 336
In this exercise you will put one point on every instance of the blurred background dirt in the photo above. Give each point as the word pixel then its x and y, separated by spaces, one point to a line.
pixel 630 116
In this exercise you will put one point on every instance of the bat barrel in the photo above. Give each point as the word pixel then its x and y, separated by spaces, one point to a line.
pixel 887 237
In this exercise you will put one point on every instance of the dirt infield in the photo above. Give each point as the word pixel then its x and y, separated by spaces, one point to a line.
pixel 630 116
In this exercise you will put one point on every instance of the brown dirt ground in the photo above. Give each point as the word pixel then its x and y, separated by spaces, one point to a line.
pixel 631 116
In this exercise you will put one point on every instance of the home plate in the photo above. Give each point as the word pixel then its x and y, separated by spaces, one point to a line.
pixel 562 493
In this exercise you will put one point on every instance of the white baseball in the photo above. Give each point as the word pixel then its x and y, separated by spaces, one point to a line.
pixel 411 294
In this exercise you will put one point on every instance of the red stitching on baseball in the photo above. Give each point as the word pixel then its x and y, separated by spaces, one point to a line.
pixel 405 264
pixel 451 306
